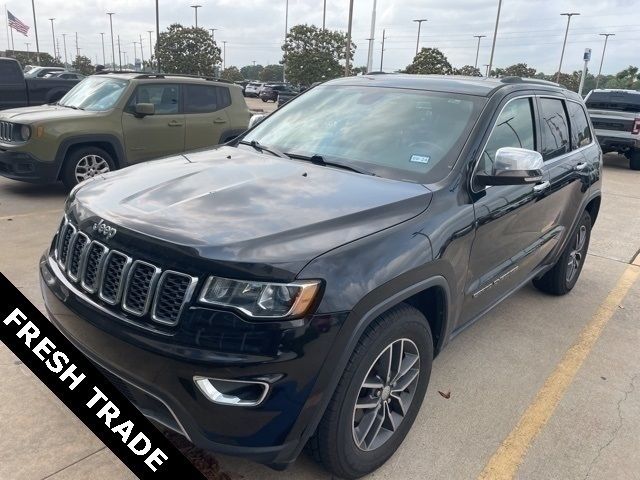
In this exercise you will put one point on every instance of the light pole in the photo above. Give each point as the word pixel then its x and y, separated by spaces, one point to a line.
pixel 606 39
pixel 324 15
pixel 53 37
pixel 348 46
pixel 384 36
pixel 134 55
pixel 104 57
pixel 564 44
pixel 157 37
pixel 486 65
pixel 141 52
pixel 113 48
pixel 371 38
pixel 64 44
pixel 495 35
pixel 77 47
pixel 195 8
pixel 35 29
pixel 119 52
pixel 419 22
pixel 28 57
pixel 213 34
pixel 478 49
pixel 224 55
pixel 286 31
pixel 150 47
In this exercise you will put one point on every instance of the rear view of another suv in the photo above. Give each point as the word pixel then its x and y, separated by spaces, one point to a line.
pixel 615 115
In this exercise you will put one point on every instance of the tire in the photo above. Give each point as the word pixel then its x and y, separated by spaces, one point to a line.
pixel 264 100
pixel 402 331
pixel 561 279
pixel 634 160
pixel 102 163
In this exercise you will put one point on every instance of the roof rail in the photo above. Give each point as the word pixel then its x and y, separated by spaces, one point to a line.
pixel 538 81
pixel 184 75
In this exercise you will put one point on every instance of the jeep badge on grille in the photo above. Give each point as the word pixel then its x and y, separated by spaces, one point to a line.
pixel 104 229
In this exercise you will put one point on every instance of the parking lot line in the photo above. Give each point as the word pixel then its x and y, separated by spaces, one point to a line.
pixel 30 214
pixel 504 463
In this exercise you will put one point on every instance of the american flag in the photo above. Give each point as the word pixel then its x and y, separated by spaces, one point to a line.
pixel 16 24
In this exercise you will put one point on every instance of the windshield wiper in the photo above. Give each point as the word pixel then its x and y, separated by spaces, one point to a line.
pixel 320 160
pixel 262 148
pixel 68 106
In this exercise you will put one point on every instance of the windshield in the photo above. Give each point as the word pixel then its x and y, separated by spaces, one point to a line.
pixel 95 94
pixel 395 133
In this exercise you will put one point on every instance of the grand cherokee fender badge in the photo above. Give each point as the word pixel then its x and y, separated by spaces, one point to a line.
pixel 104 229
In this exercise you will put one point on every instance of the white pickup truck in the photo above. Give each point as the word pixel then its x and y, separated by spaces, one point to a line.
pixel 615 115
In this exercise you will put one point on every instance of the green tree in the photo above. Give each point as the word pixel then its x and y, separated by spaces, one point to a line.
pixel 271 73
pixel 518 70
pixel 187 50
pixel 232 73
pixel 569 81
pixel 430 61
pixel 628 76
pixel 312 54
pixel 251 72
pixel 468 70
pixel 46 60
pixel 83 65
pixel 358 70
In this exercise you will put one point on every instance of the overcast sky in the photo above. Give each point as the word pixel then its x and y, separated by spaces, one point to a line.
pixel 530 31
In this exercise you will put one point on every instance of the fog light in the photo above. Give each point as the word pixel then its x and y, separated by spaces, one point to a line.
pixel 238 393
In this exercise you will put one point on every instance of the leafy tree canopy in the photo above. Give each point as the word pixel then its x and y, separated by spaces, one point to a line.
pixel 232 73
pixel 46 60
pixel 312 54
pixel 430 61
pixel 251 72
pixel 517 70
pixel 467 70
pixel 187 50
pixel 83 65
pixel 271 73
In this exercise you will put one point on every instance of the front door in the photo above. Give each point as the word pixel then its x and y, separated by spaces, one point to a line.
pixel 155 135
pixel 514 229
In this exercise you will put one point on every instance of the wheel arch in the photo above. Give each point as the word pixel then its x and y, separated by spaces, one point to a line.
pixel 108 143
pixel 593 207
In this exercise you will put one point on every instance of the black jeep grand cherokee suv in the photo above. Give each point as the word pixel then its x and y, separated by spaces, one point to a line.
pixel 294 286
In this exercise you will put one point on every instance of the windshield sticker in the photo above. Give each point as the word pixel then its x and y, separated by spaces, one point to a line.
pixel 420 158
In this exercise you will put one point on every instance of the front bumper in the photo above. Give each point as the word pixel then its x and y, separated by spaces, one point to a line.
pixel 26 167
pixel 155 371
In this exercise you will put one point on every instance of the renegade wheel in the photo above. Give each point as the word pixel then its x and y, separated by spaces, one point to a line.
pixel 84 163
pixel 564 275
pixel 378 396
pixel 634 160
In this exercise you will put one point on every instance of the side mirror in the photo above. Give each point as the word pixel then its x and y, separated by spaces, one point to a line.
pixel 256 119
pixel 514 166
pixel 144 109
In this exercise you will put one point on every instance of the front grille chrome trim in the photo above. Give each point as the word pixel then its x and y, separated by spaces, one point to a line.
pixel 151 289
pixel 98 274
pixel 193 281
pixel 123 275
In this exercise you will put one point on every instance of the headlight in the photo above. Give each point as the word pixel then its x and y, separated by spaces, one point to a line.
pixel 259 299
pixel 25 133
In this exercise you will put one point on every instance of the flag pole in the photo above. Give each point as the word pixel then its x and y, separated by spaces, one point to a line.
pixel 6 18
pixel 35 29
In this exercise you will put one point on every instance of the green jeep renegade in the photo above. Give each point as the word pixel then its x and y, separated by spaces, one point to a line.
pixel 113 120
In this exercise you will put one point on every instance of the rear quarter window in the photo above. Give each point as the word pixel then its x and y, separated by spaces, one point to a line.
pixel 580 131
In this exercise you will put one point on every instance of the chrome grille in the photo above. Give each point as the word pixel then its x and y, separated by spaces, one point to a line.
pixel 173 289
pixel 140 281
pixel 6 131
pixel 137 287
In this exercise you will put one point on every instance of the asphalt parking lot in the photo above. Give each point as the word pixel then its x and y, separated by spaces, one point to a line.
pixel 541 388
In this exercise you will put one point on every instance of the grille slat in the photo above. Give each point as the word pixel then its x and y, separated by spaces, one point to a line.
pixel 116 279
pixel 173 291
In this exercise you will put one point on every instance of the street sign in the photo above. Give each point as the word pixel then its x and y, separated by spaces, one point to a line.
pixel 587 54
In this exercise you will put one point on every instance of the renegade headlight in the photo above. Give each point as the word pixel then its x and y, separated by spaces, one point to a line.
pixel 260 299
pixel 25 133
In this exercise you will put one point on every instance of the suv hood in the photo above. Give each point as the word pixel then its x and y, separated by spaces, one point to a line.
pixel 232 204
pixel 41 113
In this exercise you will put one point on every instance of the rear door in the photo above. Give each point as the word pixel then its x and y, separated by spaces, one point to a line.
pixel 13 88
pixel 205 114
pixel 514 224
pixel 154 135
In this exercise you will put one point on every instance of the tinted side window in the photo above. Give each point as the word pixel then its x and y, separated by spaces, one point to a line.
pixel 10 73
pixel 554 128
pixel 580 131
pixel 165 97
pixel 201 99
pixel 514 128
pixel 224 97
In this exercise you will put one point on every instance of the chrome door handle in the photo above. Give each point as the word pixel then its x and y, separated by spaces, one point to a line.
pixel 174 123
pixel 581 166
pixel 541 187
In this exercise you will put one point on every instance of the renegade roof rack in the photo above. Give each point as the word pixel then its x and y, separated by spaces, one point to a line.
pixel 184 75
pixel 536 81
